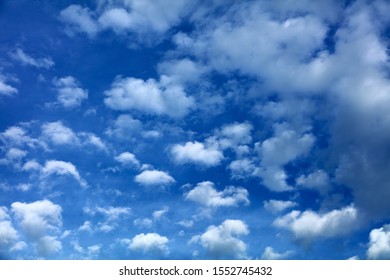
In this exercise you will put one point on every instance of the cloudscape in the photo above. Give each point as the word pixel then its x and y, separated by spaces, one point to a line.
pixel 184 129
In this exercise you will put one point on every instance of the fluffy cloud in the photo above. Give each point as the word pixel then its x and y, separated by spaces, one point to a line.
pixel 276 206
pixel 92 140
pixel 58 134
pixel 149 242
pixel 13 158
pixel 125 127
pixel 182 71
pixel 81 19
pixel 137 17
pixel 17 136
pixel 58 167
pixel 197 153
pixel 162 97
pixel 231 135
pixel 38 217
pixel 205 194
pixel 318 180
pixel 275 152
pixel 158 214
pixel 128 159
pixel 8 234
pixel 222 242
pixel 270 254
pixel 242 168
pixel 6 89
pixel 259 37
pixel 48 245
pixel 154 178
pixel 308 225
pixel 70 95
pixel 379 245
pixel 285 146
pixel 25 59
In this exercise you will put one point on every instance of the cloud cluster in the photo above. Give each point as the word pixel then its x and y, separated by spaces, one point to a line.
pixel 379 245
pixel 69 93
pixel 205 194
pixel 308 225
pixel 270 254
pixel 150 242
pixel 197 153
pixel 164 97
pixel 41 222
pixel 221 241
pixel 135 17
pixel 154 178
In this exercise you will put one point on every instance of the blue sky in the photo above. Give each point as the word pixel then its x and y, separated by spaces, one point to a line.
pixel 185 129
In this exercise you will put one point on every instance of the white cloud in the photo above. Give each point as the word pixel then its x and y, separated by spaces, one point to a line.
pixel 125 127
pixel 145 223
pixel 18 246
pixel 270 254
pixel 274 178
pixel 154 178
pixel 70 95
pixel 308 225
pixel 111 217
pixel 275 152
pixel 379 244
pixel 93 140
pixel 58 134
pixel 86 226
pixel 25 59
pixel 113 213
pixel 162 97
pixel 14 157
pixel 258 37
pixel 31 165
pixel 186 223
pixel 222 242
pixel 205 194
pixel 182 71
pixel 23 187
pixel 142 18
pixel 3 213
pixel 285 146
pixel 150 242
pixel 116 18
pixel 15 135
pixel 231 135
pixel 318 180
pixel 58 167
pixel 38 217
pixel 128 159
pixel 197 153
pixel 8 234
pixel 242 168
pixel 6 89
pixel 158 214
pixel 81 19
pixel 48 245
pixel 276 206
pixel 16 154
